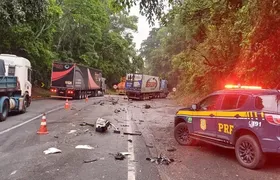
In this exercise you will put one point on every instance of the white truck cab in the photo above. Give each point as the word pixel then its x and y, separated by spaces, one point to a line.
pixel 20 67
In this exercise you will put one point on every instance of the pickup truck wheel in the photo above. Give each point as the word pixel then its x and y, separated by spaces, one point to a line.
pixel 181 134
pixel 248 152
pixel 5 111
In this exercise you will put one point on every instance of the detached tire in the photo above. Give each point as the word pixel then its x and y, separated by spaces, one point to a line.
pixel 248 152
pixel 181 134
pixel 5 111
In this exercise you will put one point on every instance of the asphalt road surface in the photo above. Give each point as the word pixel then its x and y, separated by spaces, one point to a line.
pixel 22 157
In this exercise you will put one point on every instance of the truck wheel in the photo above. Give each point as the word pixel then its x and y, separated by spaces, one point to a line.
pixel 5 111
pixel 24 105
pixel 79 95
pixel 181 134
pixel 248 152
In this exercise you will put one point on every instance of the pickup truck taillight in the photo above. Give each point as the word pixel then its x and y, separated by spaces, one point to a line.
pixel 273 119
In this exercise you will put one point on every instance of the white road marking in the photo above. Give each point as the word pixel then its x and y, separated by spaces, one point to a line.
pixel 30 120
pixel 131 161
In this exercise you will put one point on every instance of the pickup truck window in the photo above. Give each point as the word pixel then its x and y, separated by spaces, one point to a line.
pixel 233 101
pixel 208 104
pixel 269 103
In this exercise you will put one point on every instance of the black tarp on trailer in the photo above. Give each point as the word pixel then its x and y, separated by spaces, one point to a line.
pixel 74 76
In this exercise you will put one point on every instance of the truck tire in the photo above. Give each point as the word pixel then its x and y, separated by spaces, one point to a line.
pixel 248 152
pixel 25 105
pixel 5 111
pixel 181 134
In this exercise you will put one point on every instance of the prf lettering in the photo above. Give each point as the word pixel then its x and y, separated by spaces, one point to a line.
pixel 226 128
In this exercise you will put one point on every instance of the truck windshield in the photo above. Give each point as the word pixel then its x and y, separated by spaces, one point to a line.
pixel 269 103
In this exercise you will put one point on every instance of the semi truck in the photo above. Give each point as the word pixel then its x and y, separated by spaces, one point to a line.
pixel 74 81
pixel 15 84
pixel 142 87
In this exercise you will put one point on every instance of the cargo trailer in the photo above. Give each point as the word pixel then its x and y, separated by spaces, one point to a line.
pixel 141 86
pixel 74 81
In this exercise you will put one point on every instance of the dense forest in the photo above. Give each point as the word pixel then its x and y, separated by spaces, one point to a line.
pixel 199 47
pixel 90 32
pixel 202 45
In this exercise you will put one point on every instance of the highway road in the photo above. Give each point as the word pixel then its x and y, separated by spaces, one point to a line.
pixel 22 157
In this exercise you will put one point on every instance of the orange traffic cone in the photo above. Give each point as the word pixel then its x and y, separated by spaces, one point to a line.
pixel 66 106
pixel 43 128
pixel 86 98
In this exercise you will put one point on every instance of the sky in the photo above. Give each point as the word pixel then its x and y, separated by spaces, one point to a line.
pixel 143 27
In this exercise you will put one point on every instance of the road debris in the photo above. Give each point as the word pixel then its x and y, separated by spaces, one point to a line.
pixel 125 153
pixel 55 136
pixel 52 150
pixel 125 125
pixel 102 125
pixel 119 156
pixel 115 102
pixel 90 161
pixel 133 133
pixel 161 160
pixel 141 121
pixel 117 111
pixel 172 149
pixel 129 140
pixel 86 124
pixel 116 130
pixel 147 106
pixel 101 103
pixel 72 131
pixel 84 147
pixel 14 172
pixel 149 146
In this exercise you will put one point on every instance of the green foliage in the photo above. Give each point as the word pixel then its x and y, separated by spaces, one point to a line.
pixel 89 32
pixel 202 45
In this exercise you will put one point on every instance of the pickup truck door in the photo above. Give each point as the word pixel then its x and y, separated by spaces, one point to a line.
pixel 230 115
pixel 204 118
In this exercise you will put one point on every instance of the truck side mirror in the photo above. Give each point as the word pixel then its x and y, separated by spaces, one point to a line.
pixel 194 106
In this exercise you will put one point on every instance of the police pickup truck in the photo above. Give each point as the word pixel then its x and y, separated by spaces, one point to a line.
pixel 244 118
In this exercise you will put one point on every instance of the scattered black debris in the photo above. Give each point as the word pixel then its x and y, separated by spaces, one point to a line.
pixel 101 103
pixel 86 124
pixel 129 140
pixel 161 160
pixel 149 146
pixel 102 125
pixel 115 102
pixel 125 125
pixel 141 121
pixel 55 136
pixel 90 161
pixel 119 156
pixel 171 149
pixel 117 111
pixel 133 134
pixel 117 131
pixel 147 106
